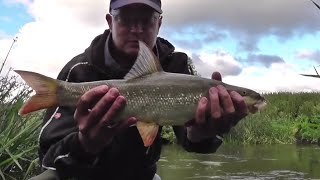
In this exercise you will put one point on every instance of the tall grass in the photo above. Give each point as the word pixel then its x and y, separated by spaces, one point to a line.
pixel 18 135
pixel 287 119
pixel 281 121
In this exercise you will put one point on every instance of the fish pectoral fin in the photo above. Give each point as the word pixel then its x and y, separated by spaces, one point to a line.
pixel 148 132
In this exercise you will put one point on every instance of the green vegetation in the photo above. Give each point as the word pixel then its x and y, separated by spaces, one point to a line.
pixel 18 136
pixel 288 117
pixel 167 135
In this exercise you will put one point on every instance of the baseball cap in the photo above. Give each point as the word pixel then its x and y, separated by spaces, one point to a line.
pixel 155 4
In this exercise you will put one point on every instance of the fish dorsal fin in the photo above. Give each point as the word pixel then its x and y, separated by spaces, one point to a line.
pixel 148 132
pixel 146 63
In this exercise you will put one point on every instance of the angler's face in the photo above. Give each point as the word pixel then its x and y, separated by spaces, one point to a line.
pixel 132 23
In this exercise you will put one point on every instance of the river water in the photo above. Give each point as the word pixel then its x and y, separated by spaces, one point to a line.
pixel 241 162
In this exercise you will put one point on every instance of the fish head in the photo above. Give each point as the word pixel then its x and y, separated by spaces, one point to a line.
pixel 254 101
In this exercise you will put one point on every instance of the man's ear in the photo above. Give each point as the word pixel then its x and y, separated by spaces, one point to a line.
pixel 109 20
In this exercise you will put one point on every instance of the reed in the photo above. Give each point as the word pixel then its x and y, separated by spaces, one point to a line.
pixel 18 135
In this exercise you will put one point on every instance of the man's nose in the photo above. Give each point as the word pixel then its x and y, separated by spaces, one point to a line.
pixel 136 27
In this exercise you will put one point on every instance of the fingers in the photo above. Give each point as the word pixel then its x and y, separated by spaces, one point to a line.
pixel 201 110
pixel 90 98
pixel 215 109
pixel 103 106
pixel 115 108
pixel 226 100
pixel 216 76
pixel 102 136
pixel 221 102
pixel 226 107
pixel 85 103
pixel 125 124
pixel 95 131
pixel 240 105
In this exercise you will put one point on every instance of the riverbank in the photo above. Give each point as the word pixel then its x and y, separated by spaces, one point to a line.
pixel 288 118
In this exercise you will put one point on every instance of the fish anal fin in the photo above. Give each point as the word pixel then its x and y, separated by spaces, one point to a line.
pixel 148 132
pixel 146 63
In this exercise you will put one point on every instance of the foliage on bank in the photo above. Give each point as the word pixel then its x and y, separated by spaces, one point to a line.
pixel 287 119
pixel 18 136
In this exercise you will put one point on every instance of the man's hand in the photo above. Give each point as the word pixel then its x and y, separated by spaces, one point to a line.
pixel 94 112
pixel 226 109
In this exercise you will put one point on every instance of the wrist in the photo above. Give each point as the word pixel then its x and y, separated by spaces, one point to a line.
pixel 193 136
pixel 200 143
pixel 78 152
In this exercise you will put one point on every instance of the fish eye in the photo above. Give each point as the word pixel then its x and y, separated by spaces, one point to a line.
pixel 244 92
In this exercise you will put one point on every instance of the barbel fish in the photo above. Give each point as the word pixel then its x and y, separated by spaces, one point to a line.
pixel 154 97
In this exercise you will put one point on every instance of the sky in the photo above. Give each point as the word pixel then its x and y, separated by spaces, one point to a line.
pixel 260 44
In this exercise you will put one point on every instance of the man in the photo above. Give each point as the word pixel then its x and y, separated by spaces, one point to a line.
pixel 80 142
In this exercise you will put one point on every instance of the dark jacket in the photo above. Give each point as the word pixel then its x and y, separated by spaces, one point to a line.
pixel 126 156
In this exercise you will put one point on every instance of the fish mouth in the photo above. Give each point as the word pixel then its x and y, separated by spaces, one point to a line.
pixel 258 106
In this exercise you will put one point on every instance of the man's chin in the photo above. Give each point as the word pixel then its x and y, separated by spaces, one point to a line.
pixel 132 52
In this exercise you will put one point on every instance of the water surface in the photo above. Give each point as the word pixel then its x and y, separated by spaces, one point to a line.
pixel 242 162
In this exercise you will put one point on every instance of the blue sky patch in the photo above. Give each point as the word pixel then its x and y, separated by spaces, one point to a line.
pixel 13 17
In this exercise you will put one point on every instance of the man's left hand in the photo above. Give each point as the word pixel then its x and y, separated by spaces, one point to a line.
pixel 226 109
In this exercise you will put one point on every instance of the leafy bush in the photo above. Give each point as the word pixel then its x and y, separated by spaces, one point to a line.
pixel 167 135
pixel 18 135
pixel 308 130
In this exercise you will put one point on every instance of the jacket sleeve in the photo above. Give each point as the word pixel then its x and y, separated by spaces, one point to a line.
pixel 209 145
pixel 206 146
pixel 60 149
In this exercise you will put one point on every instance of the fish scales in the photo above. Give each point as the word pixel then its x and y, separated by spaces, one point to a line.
pixel 168 104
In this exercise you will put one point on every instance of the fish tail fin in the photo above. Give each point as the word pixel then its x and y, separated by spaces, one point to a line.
pixel 45 92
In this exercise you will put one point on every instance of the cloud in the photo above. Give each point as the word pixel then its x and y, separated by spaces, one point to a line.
pixel 194 38
pixel 251 17
pixel 219 61
pixel 279 77
pixel 307 54
pixel 84 12
pixel 59 31
pixel 265 60
pixel 245 20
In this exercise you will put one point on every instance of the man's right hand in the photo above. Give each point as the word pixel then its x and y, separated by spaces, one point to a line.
pixel 93 113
